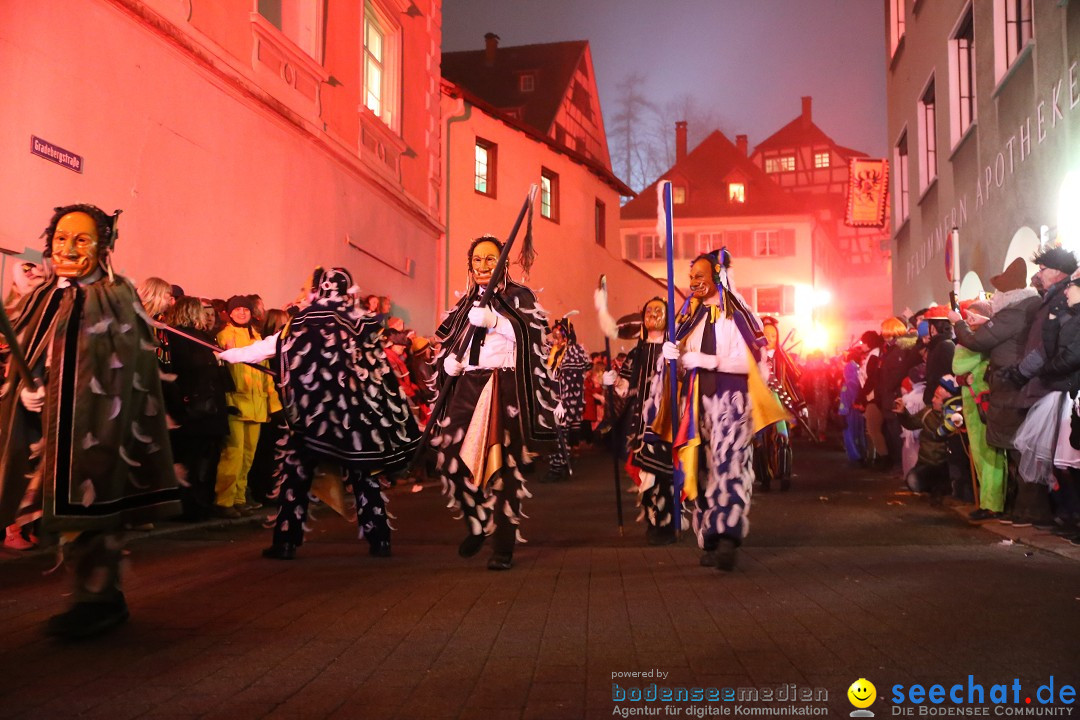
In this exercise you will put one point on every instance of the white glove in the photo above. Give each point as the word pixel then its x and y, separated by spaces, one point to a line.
pixel 452 365
pixel 483 317
pixel 33 400
pixel 670 351
pixel 693 360
pixel 610 377
pixel 229 356
pixel 560 413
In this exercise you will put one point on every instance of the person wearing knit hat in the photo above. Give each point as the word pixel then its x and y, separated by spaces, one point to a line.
pixel 1014 277
pixel 251 403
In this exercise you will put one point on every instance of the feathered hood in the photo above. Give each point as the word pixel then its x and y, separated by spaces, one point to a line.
pixel 1001 300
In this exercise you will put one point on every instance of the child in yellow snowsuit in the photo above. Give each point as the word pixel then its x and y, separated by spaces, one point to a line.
pixel 250 405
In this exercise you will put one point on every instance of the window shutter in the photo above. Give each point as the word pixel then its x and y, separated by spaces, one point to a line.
pixel 789 298
pixel 633 247
pixel 744 247
pixel 689 246
pixel 787 242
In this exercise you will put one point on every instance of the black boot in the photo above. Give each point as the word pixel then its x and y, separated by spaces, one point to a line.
pixel 283 551
pixel 87 619
pixel 660 535
pixel 725 554
pixel 501 561
pixel 470 545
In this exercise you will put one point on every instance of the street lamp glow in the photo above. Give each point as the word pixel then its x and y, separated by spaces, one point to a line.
pixel 1069 211
pixel 822 298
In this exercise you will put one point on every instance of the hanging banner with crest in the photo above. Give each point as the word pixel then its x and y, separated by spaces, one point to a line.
pixel 867 196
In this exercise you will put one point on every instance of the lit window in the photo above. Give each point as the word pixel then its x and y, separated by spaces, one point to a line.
pixel 769 300
pixel 766 243
pixel 297 20
pixel 736 192
pixel 927 137
pixel 549 194
pixel 600 223
pixel 381 42
pixel 962 74
pixel 781 163
pixel 652 248
pixel 678 194
pixel 821 159
pixel 486 154
pixel 896 24
pixel 900 171
pixel 526 82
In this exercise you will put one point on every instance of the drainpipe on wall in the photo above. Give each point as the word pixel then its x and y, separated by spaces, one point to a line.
pixel 462 112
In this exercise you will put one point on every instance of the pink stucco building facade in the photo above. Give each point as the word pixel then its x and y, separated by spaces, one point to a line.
pixel 246 140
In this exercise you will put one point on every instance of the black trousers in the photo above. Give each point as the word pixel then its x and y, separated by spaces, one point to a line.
pixel 295 473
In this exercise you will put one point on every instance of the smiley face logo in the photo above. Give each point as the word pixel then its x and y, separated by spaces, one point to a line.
pixel 862 693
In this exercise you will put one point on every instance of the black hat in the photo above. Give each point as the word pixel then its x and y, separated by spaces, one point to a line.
pixel 1057 258
pixel 238 301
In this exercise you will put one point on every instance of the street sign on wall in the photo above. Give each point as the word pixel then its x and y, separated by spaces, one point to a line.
pixel 56 154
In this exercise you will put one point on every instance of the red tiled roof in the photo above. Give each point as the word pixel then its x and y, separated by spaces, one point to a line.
pixel 705 172
pixel 597 168
pixel 800 132
pixel 552 63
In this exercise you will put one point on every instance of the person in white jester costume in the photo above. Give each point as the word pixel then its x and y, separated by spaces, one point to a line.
pixel 723 397
pixel 501 405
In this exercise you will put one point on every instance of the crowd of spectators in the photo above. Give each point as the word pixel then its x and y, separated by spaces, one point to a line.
pixel 977 402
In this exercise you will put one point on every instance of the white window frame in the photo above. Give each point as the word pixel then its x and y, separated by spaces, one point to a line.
pixel 527 82
pixel 897 22
pixel 780 164
pixel 489 167
pixel 901 176
pixel 707 241
pixel 386 103
pixel 822 159
pixel 1010 39
pixel 766 243
pixel 655 247
pixel 962 85
pixel 927 121
pixel 549 194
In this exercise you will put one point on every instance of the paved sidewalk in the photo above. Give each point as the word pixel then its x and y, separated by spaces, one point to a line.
pixel 841 578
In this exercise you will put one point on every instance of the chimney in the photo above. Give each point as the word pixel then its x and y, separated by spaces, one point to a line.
pixel 741 143
pixel 680 140
pixel 491 44
pixel 807 115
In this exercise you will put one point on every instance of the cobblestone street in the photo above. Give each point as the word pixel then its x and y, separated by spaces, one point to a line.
pixel 844 577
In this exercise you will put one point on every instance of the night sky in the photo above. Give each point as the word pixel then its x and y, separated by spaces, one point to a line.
pixel 746 62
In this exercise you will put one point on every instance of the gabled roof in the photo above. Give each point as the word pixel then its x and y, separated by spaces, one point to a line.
pixel 800 132
pixel 498 84
pixel 593 165
pixel 703 170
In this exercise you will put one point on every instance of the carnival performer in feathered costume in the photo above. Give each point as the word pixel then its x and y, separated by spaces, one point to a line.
pixel 85 445
pixel 343 405
pixel 718 344
pixel 772 444
pixel 501 405
pixel 649 459
pixel 567 362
